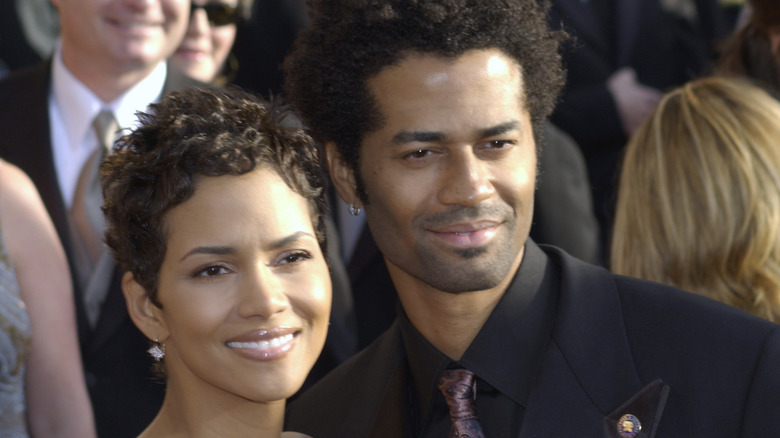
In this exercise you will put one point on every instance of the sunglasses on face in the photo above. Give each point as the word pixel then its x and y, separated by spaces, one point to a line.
pixel 219 14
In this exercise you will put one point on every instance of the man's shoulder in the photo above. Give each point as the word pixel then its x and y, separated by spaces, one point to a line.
pixel 354 388
pixel 176 80
pixel 24 113
pixel 648 303
pixel 21 81
pixel 669 329
pixel 713 357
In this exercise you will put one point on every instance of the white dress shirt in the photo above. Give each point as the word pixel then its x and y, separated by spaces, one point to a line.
pixel 73 106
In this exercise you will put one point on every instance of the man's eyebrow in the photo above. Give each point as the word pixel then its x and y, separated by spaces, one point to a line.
pixel 500 129
pixel 404 137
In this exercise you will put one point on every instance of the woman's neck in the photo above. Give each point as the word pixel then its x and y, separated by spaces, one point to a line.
pixel 194 416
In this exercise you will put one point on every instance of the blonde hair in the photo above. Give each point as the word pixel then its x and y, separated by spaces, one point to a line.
pixel 699 196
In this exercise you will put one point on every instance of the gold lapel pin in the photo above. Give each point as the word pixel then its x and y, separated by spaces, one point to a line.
pixel 628 426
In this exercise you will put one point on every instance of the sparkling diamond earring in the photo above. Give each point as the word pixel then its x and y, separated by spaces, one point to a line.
pixel 157 351
pixel 354 211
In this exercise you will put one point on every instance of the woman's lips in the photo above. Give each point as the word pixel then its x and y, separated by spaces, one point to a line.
pixel 265 345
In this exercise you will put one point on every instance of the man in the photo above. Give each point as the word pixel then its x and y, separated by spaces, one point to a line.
pixel 430 112
pixel 110 60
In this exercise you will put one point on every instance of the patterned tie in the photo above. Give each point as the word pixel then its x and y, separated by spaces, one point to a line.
pixel 88 221
pixel 460 389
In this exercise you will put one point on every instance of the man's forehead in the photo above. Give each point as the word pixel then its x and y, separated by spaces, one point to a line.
pixel 485 77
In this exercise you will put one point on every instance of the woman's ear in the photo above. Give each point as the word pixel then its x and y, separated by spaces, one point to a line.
pixel 145 314
pixel 341 175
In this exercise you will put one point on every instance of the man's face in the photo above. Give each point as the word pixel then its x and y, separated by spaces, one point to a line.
pixel 122 35
pixel 450 174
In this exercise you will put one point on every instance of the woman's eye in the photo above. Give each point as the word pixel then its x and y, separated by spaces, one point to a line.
pixel 211 271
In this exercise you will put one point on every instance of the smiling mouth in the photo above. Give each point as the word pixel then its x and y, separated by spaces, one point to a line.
pixel 264 345
pixel 468 236
pixel 135 25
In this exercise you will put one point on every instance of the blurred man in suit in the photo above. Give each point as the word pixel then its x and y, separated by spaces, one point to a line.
pixel 623 55
pixel 58 119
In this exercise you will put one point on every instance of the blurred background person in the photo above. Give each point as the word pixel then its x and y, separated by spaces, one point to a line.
pixel 205 51
pixel 699 196
pixel 753 50
pixel 58 119
pixel 623 55
pixel 42 389
pixel 237 314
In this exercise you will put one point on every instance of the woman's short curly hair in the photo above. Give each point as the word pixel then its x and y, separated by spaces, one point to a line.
pixel 351 41
pixel 187 135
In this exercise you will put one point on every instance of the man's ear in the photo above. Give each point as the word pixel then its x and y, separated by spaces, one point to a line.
pixel 341 175
pixel 145 314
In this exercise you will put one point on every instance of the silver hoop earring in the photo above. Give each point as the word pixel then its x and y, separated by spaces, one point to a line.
pixel 354 211
pixel 157 351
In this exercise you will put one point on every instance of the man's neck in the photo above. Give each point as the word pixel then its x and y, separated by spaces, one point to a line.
pixel 106 81
pixel 449 321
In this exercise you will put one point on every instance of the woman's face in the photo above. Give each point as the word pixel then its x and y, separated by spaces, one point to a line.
pixel 205 46
pixel 244 289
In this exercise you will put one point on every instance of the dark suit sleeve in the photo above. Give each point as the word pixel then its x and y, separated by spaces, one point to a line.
pixel 563 206
pixel 762 409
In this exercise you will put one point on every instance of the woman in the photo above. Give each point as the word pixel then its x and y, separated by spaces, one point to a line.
pixel 699 197
pixel 214 210
pixel 204 50
pixel 42 388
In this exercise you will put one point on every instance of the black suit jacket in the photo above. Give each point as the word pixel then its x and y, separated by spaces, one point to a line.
pixel 125 395
pixel 684 365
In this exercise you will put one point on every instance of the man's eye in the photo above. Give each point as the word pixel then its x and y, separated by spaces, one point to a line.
pixel 500 144
pixel 418 154
pixel 295 257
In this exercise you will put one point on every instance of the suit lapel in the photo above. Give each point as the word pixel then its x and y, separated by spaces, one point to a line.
pixel 27 123
pixel 588 380
pixel 30 118
pixel 376 387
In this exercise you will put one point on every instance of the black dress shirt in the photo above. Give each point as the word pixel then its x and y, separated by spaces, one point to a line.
pixel 504 356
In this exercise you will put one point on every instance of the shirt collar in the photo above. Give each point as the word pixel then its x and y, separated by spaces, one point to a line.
pixel 518 330
pixel 69 93
pixel 139 97
pixel 507 350
pixel 83 105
